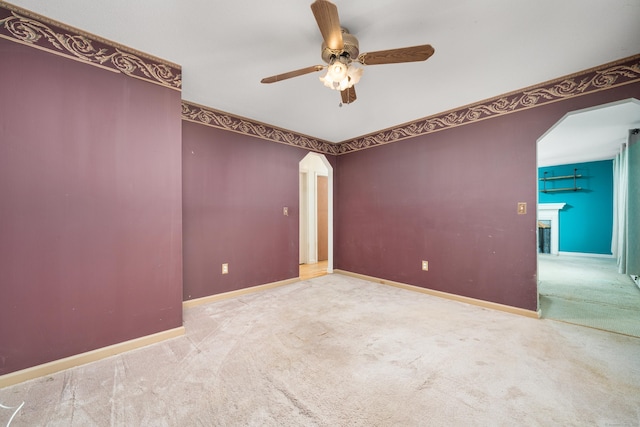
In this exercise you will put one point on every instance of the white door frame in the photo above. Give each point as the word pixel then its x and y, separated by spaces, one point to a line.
pixel 310 219
pixel 304 212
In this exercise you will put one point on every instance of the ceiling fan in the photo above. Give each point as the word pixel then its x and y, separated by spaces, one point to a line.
pixel 340 50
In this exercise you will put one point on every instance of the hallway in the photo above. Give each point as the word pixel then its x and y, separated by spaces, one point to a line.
pixel 309 271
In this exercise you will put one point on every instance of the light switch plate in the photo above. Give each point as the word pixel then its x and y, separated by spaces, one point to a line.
pixel 522 208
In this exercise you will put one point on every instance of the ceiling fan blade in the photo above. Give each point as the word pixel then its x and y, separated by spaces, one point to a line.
pixel 394 56
pixel 326 14
pixel 348 95
pixel 290 74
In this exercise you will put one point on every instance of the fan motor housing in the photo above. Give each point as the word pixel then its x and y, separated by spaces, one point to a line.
pixel 350 49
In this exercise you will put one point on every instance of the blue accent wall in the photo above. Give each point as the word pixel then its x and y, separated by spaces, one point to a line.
pixel 587 219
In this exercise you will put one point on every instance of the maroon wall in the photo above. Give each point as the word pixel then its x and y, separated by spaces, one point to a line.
pixel 234 189
pixel 450 198
pixel 90 208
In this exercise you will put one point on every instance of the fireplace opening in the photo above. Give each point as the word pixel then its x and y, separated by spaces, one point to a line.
pixel 549 214
pixel 544 236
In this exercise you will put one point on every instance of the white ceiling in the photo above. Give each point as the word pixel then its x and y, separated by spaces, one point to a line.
pixel 589 135
pixel 482 49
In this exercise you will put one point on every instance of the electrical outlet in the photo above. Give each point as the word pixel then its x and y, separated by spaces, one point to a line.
pixel 285 211
pixel 225 268
pixel 425 265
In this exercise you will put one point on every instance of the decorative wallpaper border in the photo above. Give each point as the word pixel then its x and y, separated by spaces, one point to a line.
pixel 22 26
pixel 596 79
pixel 28 28
pixel 218 119
pixel 607 76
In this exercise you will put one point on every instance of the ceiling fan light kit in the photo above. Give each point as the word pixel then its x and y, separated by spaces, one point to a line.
pixel 338 70
pixel 341 75
pixel 341 51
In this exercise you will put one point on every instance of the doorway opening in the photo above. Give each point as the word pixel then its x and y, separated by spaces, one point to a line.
pixel 577 282
pixel 316 216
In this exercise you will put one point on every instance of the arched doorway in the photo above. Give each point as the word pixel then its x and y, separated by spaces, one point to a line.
pixel 316 215
pixel 579 281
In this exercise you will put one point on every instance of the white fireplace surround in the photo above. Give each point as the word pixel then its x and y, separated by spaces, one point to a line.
pixel 551 212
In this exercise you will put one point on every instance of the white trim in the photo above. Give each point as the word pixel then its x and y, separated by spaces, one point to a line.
pixel 311 258
pixel 313 220
pixel 87 357
pixel 238 292
pixel 467 300
pixel 303 216
pixel 585 254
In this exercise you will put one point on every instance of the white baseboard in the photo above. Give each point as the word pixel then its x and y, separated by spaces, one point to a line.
pixel 232 294
pixel 446 295
pixel 84 358
pixel 585 254
pixel 112 350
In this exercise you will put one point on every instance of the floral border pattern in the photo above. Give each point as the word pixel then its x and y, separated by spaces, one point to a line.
pixel 604 77
pixel 25 27
pixel 206 116
pixel 28 28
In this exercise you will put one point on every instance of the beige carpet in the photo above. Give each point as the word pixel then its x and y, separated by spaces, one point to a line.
pixel 338 351
pixel 590 292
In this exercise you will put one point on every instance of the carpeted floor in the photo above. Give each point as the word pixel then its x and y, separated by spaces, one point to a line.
pixel 590 292
pixel 339 351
